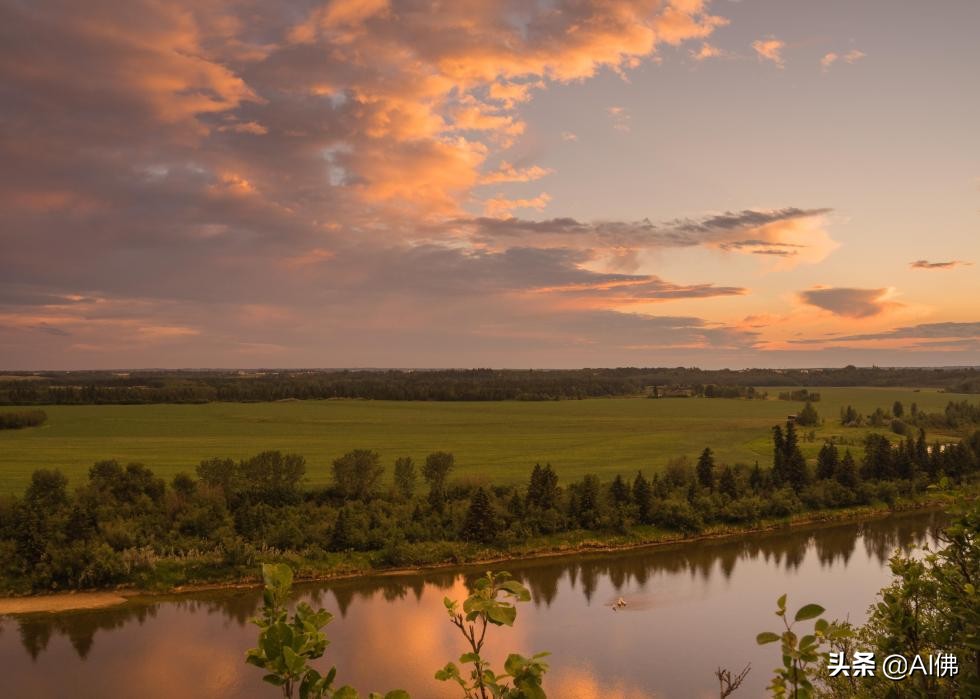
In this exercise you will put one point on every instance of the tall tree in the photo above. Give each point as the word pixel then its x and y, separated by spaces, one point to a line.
pixel 480 523
pixel 619 491
pixel 358 473
pixel 643 498
pixel 342 538
pixel 405 477
pixel 706 469
pixel 847 474
pixel 827 461
pixel 436 473
pixel 897 409
pixel 727 483
pixel 543 492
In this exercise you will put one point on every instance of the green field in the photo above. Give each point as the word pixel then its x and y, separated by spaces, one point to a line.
pixel 494 441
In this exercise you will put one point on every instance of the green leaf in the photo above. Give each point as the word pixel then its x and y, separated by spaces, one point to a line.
pixel 397 694
pixel 809 611
pixel 781 602
pixel 502 615
pixel 766 637
pixel 469 658
pixel 346 692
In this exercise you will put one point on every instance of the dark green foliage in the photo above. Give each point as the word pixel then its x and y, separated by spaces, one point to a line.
pixel 272 477
pixel 342 538
pixel 789 466
pixel 436 473
pixel 169 386
pixel 705 469
pixel 808 417
pixel 585 506
pixel 357 474
pixel 619 491
pixel 222 474
pixel 897 409
pixel 727 484
pixel 480 523
pixel 543 492
pixel 643 498
pixel 847 473
pixel 405 477
pixel 828 461
pixel 21 419
pixel 879 459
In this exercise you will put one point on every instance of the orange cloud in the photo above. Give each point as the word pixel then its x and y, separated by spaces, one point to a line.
pixel 502 207
pixel 770 49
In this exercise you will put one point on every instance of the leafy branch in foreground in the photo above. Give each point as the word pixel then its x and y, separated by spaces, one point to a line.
pixel 800 654
pixel 490 604
pixel 286 646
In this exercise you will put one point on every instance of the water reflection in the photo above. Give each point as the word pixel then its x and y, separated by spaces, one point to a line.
pixel 678 597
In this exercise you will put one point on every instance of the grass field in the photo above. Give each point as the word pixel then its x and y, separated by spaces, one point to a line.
pixel 496 442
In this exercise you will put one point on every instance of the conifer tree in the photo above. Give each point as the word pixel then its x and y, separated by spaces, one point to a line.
pixel 643 498
pixel 706 470
pixel 480 523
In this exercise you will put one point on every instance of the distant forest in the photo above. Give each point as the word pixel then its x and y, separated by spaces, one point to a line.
pixel 202 386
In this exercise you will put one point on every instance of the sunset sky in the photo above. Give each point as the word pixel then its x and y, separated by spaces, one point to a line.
pixel 288 183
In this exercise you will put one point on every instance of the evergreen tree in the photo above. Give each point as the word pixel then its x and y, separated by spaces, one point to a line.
pixel 342 538
pixel 727 484
pixel 619 491
pixel 588 507
pixel 808 416
pixel 756 479
pixel 794 465
pixel 846 473
pixel 480 523
pixel 778 456
pixel 879 461
pixel 643 498
pixel 405 477
pixel 897 409
pixel 827 461
pixel 515 506
pixel 542 492
pixel 706 470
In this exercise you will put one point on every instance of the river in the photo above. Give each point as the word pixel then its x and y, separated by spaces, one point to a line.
pixel 689 608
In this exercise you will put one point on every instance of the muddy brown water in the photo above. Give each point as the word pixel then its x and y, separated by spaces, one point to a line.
pixel 689 608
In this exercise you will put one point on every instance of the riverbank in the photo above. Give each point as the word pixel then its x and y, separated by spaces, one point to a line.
pixel 203 577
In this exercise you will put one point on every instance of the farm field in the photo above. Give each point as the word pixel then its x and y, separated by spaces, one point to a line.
pixel 492 441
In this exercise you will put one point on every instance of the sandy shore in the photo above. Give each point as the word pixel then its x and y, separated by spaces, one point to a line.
pixel 59 603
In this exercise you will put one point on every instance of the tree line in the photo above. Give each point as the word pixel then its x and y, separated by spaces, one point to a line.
pixel 125 524
pixel 23 418
pixel 188 386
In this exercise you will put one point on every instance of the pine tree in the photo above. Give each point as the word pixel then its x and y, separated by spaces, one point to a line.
pixel 643 498
pixel 480 523
pixel 756 480
pixel 846 473
pixel 827 461
pixel 808 416
pixel 727 484
pixel 778 456
pixel 619 491
pixel 342 538
pixel 705 470
pixel 794 464
pixel 588 502
pixel 542 492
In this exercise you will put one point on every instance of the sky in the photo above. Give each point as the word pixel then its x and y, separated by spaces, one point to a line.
pixel 491 183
